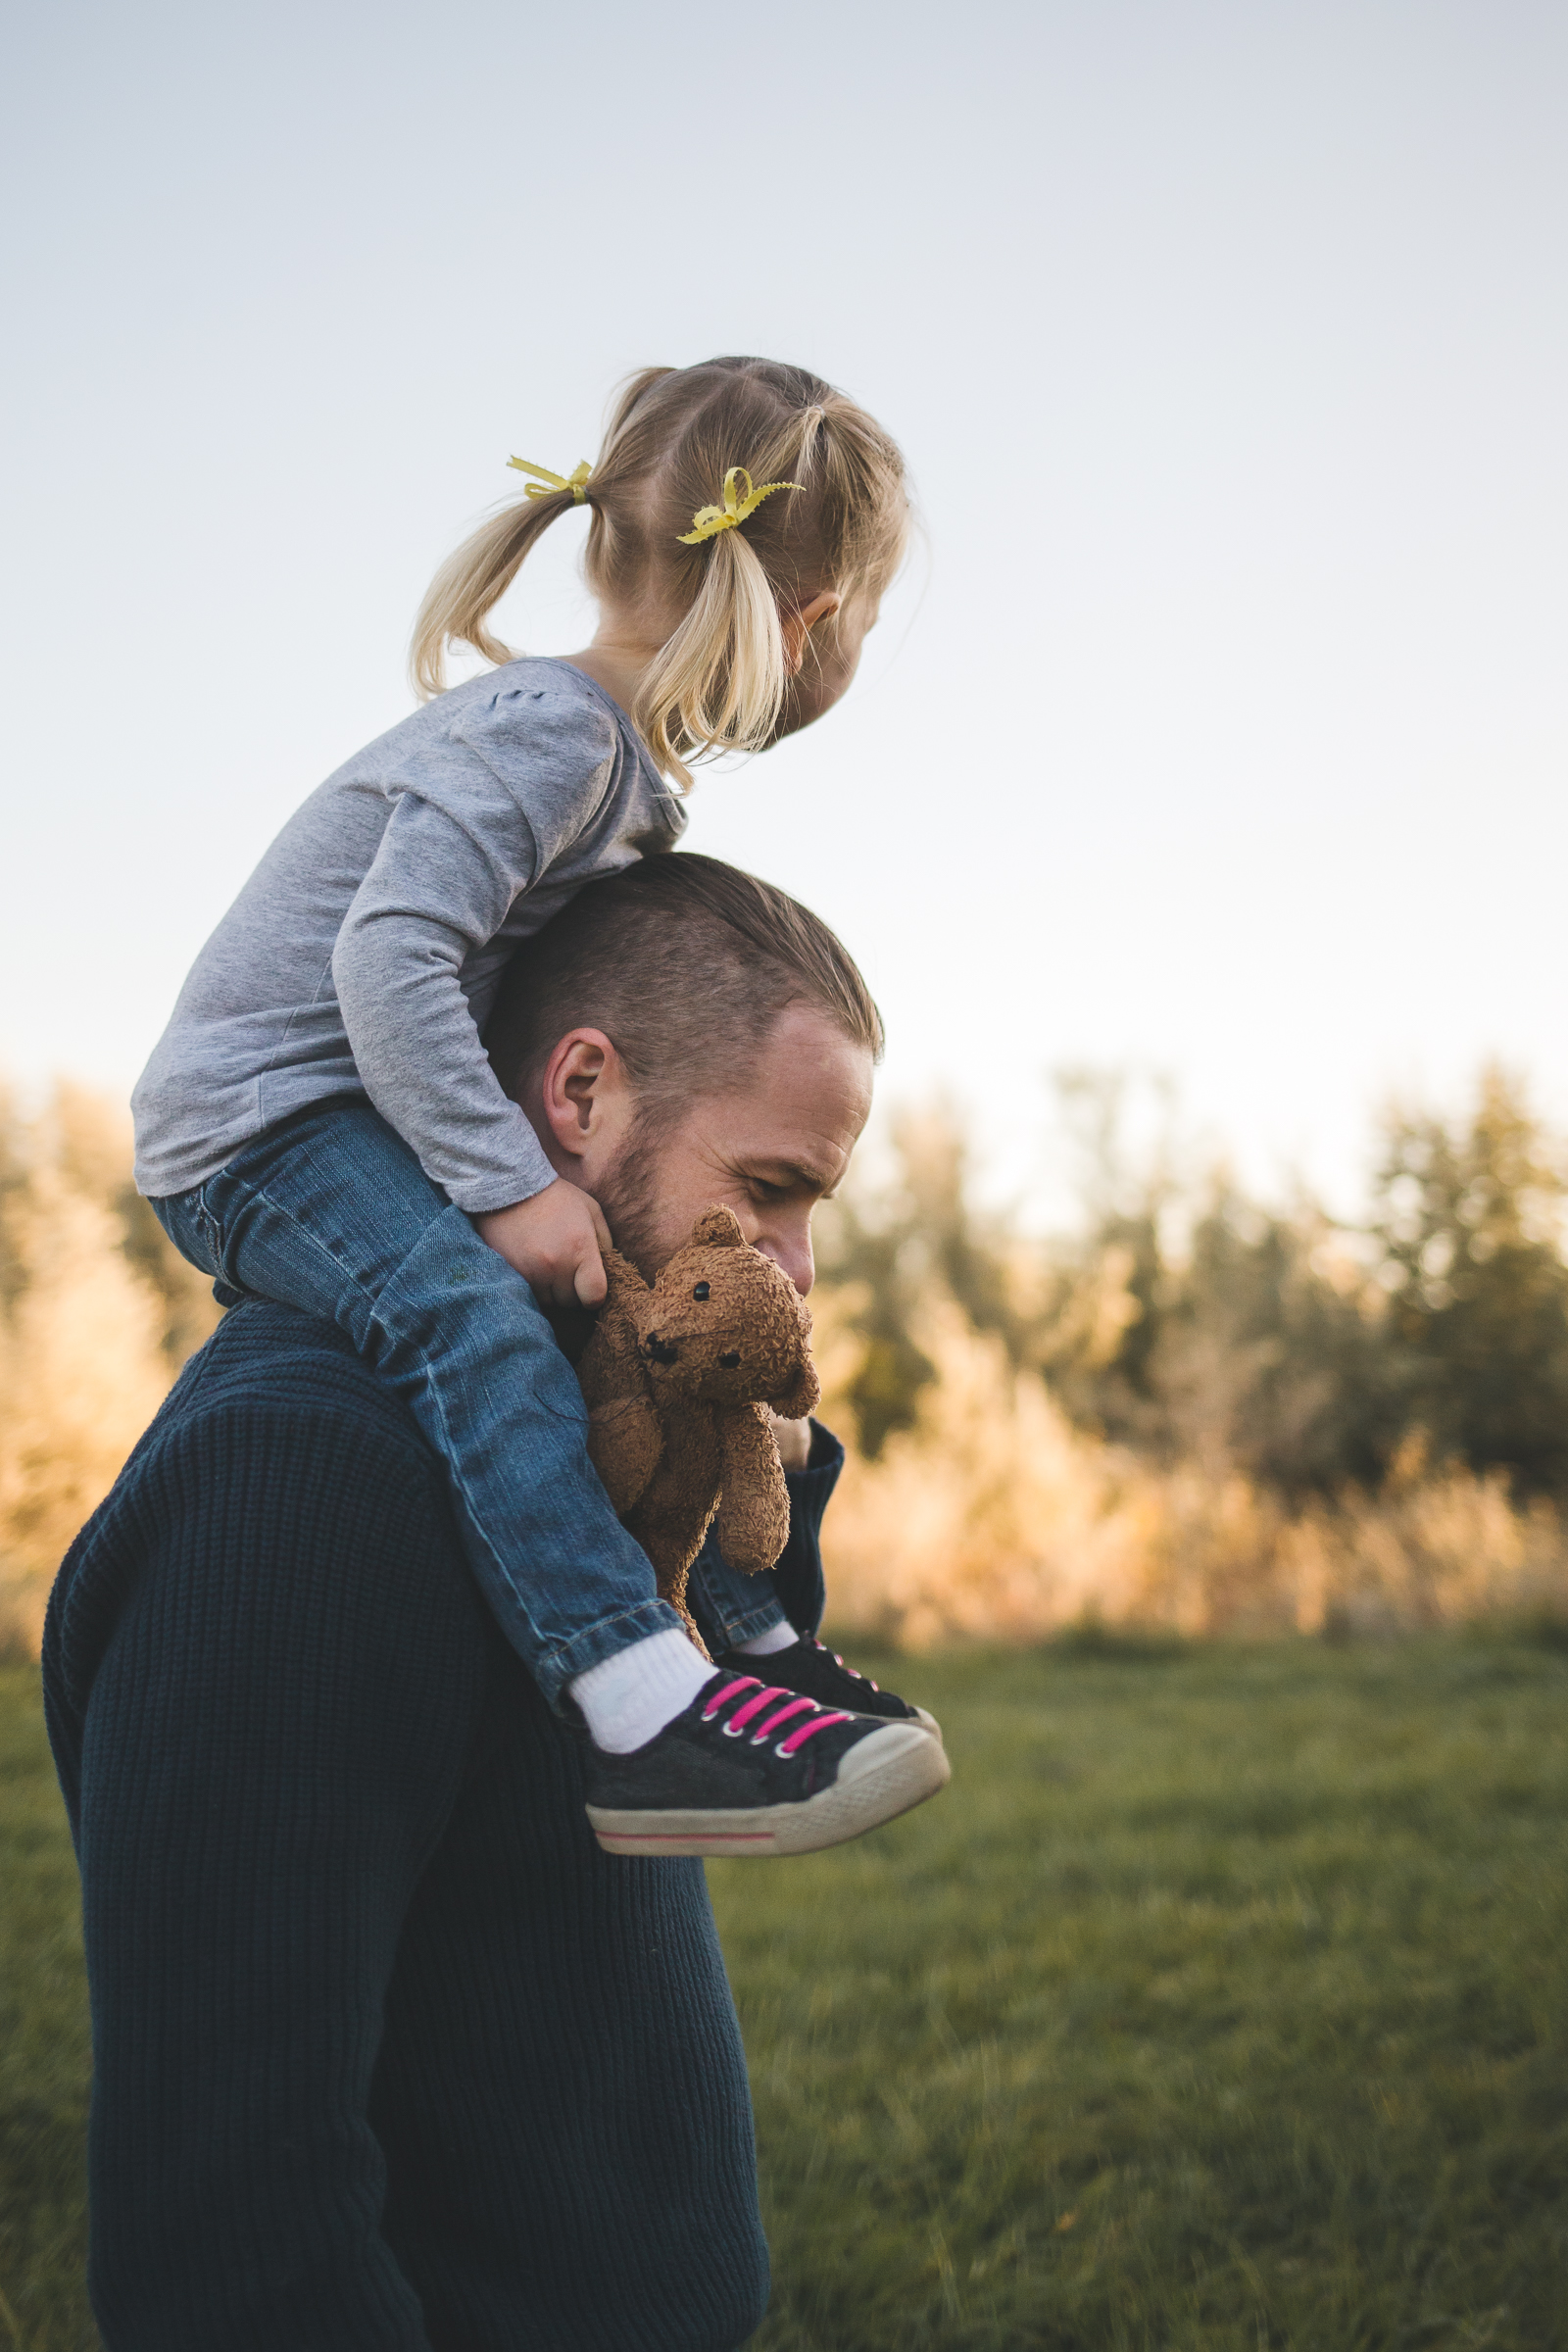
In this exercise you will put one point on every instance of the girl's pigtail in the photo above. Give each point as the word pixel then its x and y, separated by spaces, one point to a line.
pixel 468 586
pixel 718 683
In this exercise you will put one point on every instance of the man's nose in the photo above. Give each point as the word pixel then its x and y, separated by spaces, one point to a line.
pixel 791 1254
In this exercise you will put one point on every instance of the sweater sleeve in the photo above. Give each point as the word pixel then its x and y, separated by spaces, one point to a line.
pixel 797 1578
pixel 470 834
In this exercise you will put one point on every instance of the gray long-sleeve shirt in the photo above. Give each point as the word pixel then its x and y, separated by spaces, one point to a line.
pixel 367 949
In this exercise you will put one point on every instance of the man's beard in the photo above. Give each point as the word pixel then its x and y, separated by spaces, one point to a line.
pixel 628 1194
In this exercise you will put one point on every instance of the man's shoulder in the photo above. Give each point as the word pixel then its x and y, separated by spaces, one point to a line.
pixel 273 1435
pixel 275 1407
pixel 265 1358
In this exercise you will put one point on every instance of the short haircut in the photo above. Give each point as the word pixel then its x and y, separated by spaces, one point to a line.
pixel 685 964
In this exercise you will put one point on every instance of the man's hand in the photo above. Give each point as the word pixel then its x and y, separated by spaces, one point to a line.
pixel 793 1442
pixel 554 1240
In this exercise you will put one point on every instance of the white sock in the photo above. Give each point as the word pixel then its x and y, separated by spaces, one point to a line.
pixel 776 1637
pixel 631 1697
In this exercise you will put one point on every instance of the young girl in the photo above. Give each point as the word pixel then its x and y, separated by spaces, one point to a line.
pixel 745 520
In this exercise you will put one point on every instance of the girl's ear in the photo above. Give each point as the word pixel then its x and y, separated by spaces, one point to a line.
pixel 798 626
pixel 716 1229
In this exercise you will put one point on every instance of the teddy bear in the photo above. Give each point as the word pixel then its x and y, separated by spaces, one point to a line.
pixel 678 1378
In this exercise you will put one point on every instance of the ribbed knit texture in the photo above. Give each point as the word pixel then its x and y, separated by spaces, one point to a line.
pixel 387 2053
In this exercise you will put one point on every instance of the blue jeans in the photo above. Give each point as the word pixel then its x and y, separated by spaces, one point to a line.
pixel 731 1607
pixel 331 1212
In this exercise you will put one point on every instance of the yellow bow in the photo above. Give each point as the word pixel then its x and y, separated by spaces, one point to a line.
pixel 707 521
pixel 576 481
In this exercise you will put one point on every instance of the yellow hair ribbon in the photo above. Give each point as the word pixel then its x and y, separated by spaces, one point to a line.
pixel 576 481
pixel 709 521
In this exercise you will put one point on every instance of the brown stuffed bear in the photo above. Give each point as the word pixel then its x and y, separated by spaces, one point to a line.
pixel 677 1377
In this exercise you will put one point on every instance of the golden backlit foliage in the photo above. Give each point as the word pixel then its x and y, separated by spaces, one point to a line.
pixel 993 1518
pixel 97 1313
pixel 1226 1434
pixel 1198 1415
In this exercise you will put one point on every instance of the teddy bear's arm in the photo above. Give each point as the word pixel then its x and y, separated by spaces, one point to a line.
pixel 752 1524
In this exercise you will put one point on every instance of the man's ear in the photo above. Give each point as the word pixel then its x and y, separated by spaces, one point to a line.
pixel 579 1085
pixel 715 1229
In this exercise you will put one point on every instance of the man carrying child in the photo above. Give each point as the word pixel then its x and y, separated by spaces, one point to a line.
pixel 390 2056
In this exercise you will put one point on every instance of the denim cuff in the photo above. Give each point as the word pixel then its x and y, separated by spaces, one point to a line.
pixel 595 1642
pixel 730 1607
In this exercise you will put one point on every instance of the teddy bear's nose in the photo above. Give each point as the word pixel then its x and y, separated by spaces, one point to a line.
pixel 659 1351
pixel 729 1362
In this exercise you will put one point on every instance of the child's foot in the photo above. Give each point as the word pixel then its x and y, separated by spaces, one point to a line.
pixel 757 1769
pixel 819 1672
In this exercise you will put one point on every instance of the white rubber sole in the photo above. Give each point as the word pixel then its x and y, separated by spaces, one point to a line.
pixel 883 1776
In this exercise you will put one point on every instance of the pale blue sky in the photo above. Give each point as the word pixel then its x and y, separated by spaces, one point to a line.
pixel 1222 730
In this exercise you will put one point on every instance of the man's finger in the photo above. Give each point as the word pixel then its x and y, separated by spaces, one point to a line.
pixel 792 1440
pixel 601 1229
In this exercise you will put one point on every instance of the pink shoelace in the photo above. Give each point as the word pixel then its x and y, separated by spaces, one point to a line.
pixel 850 1670
pixel 759 1704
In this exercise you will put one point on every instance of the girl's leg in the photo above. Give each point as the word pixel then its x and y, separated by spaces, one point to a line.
pixel 332 1213
pixel 731 1609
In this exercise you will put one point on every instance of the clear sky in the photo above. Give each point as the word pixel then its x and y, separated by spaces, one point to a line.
pixel 1221 728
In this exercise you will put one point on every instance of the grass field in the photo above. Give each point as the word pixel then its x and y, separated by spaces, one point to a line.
pixel 1218 2004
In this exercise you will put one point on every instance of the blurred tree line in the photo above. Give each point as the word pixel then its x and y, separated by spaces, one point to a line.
pixel 97 1313
pixel 1189 1323
pixel 76 1144
pixel 1177 1318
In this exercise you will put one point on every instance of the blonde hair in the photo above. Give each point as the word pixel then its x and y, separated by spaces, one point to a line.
pixel 719 680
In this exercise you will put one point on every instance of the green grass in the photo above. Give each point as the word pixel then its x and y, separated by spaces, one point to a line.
pixel 44 2045
pixel 1218 2004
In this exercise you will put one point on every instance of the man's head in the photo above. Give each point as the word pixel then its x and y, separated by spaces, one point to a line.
pixel 680 1035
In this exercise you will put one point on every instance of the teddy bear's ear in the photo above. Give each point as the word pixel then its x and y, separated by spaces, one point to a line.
pixel 716 1229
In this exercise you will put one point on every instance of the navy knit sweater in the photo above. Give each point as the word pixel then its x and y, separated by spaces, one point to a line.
pixel 388 2054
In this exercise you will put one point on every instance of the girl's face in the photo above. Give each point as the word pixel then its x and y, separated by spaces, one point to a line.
pixel 829 658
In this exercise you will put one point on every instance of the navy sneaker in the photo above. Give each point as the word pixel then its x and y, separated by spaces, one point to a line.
pixel 819 1672
pixel 754 1768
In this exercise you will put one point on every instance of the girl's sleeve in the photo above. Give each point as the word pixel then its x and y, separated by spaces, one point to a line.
pixel 474 827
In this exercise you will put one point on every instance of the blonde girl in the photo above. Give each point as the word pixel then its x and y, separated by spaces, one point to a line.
pixel 320 1124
